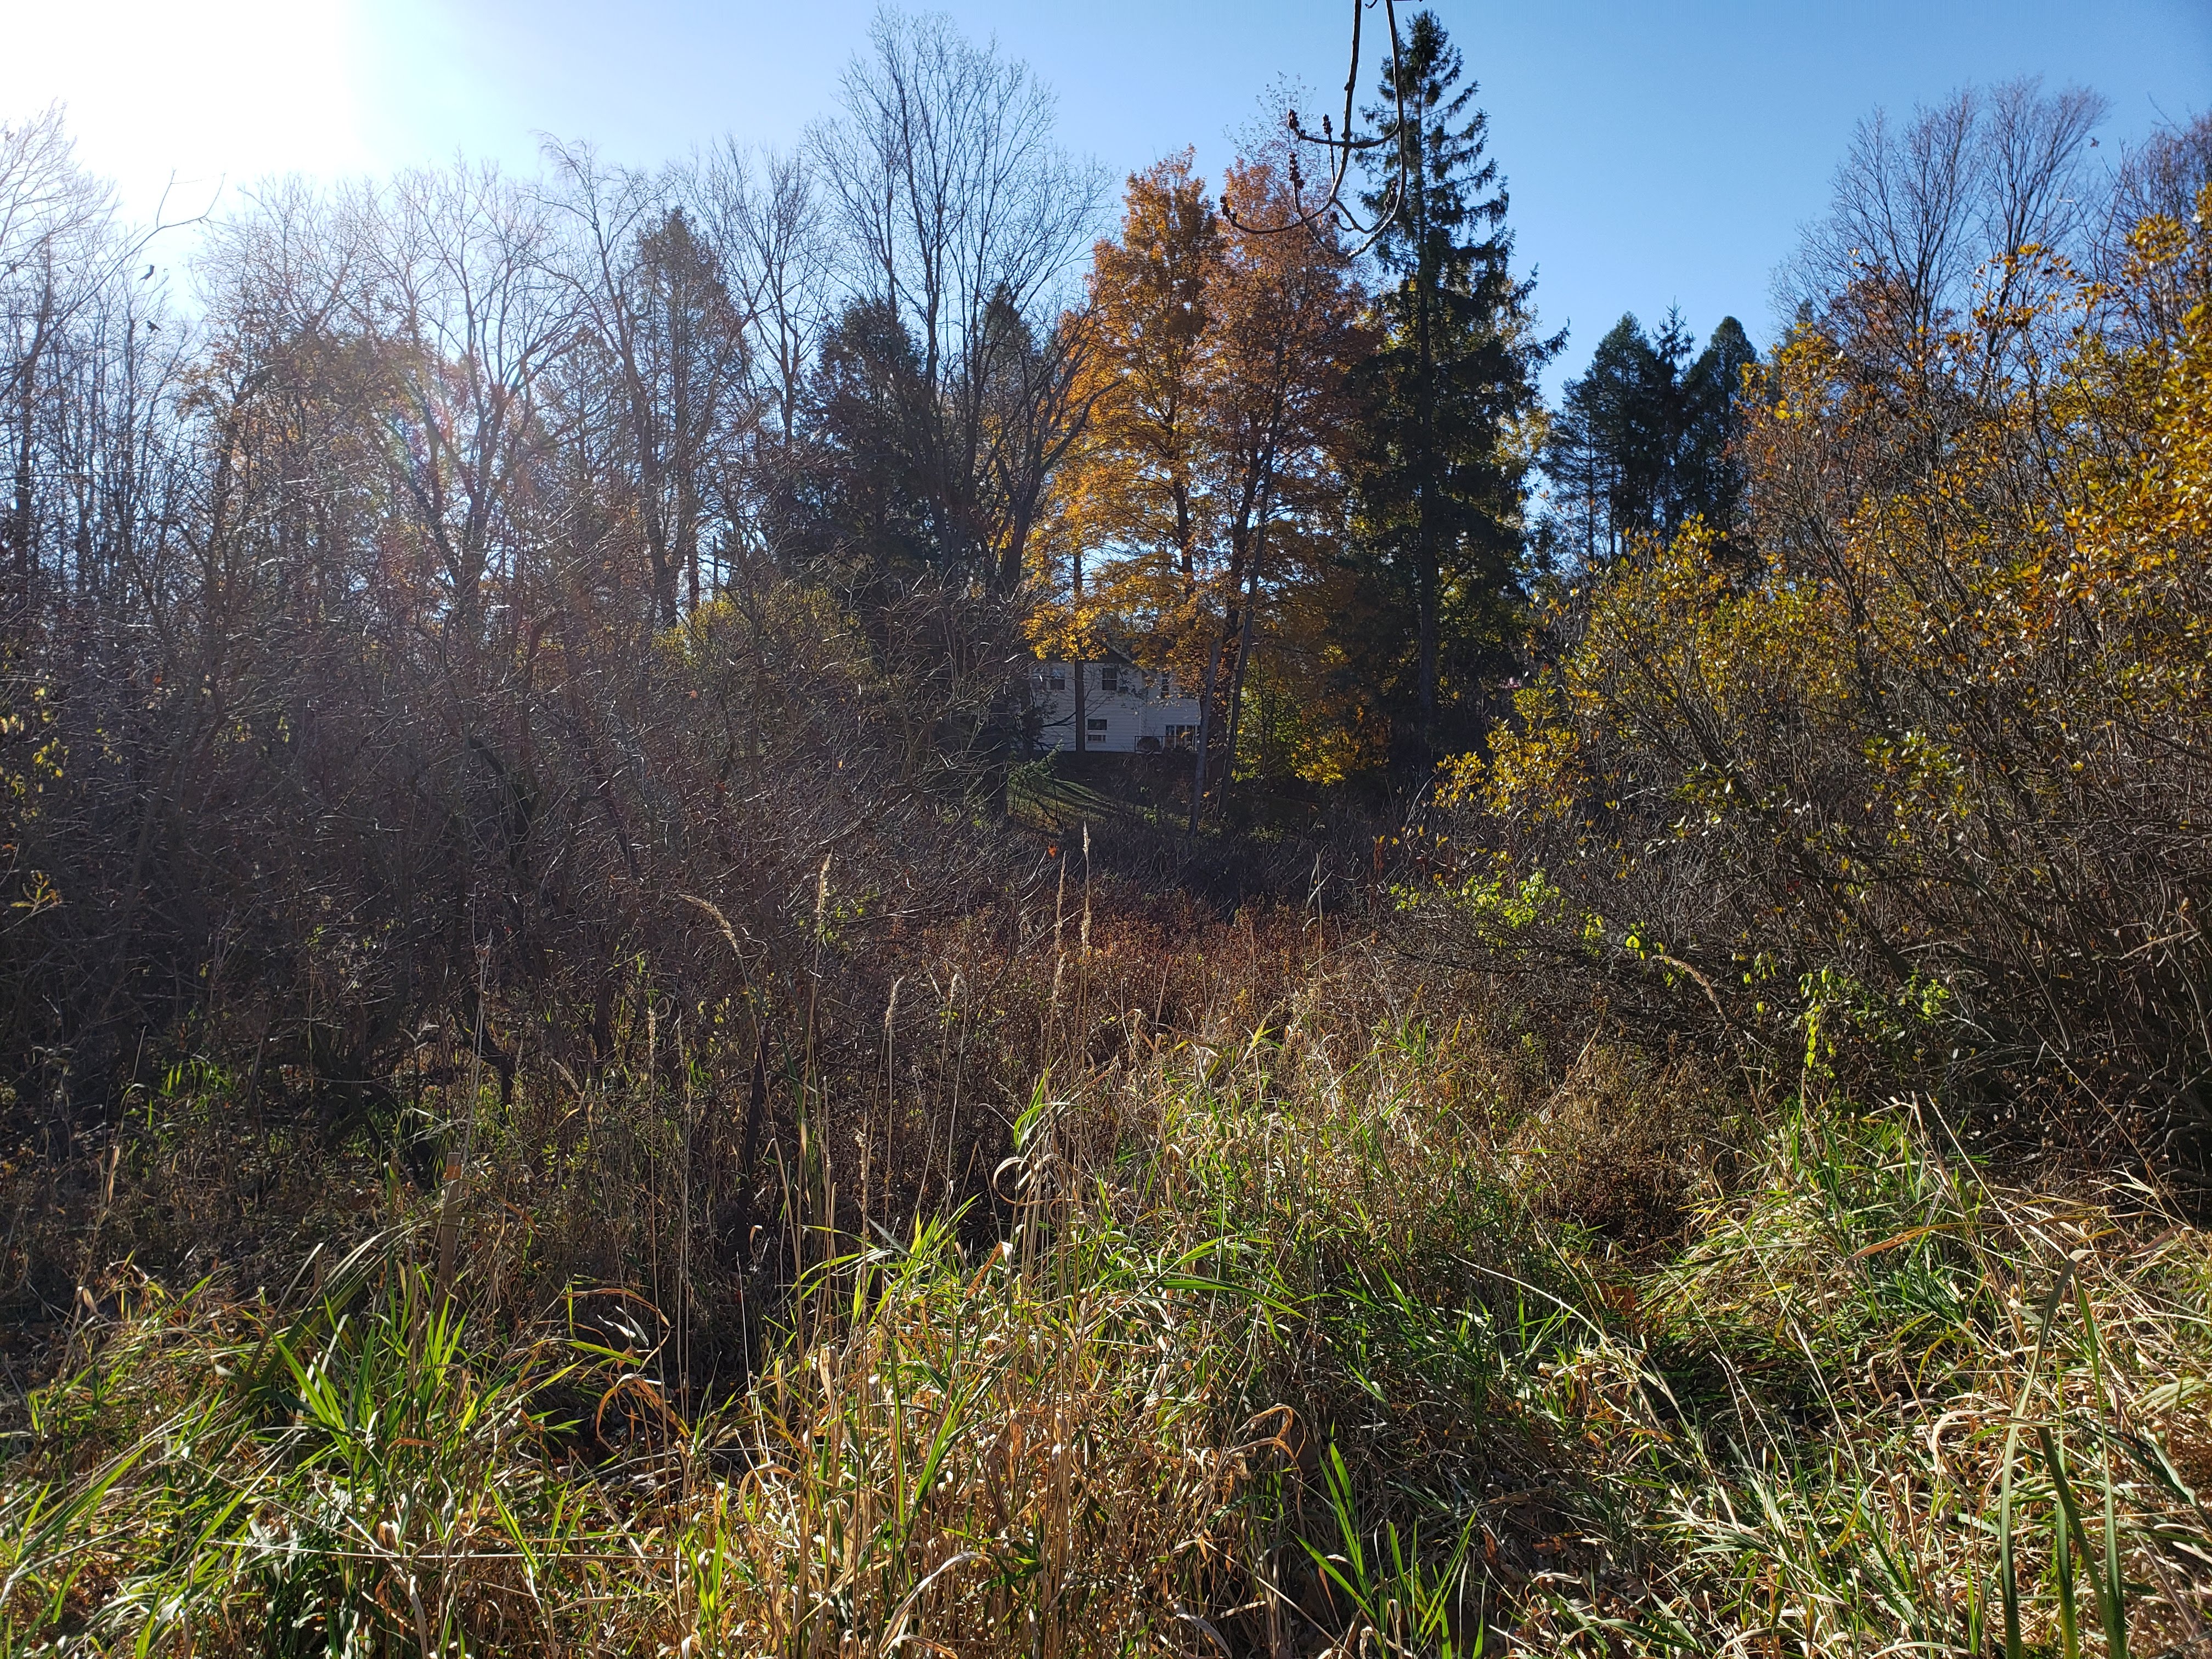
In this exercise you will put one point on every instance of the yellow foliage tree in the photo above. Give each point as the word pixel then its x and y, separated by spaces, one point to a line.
pixel 1950 734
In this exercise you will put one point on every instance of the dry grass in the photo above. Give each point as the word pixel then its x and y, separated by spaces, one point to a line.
pixel 1307 1321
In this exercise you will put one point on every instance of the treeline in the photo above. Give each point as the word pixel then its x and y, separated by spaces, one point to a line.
pixel 549 566
pixel 575 568
pixel 544 587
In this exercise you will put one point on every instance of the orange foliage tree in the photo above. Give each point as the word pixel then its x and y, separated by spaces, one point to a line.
pixel 1208 479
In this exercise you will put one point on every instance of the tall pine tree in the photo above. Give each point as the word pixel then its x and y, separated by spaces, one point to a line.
pixel 1712 477
pixel 1641 440
pixel 1440 479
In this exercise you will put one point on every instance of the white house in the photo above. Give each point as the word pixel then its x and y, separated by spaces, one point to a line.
pixel 1126 710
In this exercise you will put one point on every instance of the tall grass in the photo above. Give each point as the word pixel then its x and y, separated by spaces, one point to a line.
pixel 1327 1326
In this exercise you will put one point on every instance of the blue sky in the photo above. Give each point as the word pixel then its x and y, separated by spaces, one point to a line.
pixel 1656 154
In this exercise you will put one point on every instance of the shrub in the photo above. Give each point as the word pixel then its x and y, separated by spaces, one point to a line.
pixel 1922 787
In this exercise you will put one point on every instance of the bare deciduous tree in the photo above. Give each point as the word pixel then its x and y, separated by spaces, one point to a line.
pixel 1921 209
pixel 2164 179
pixel 54 225
pixel 964 218
pixel 460 282
pixel 650 289
pixel 766 218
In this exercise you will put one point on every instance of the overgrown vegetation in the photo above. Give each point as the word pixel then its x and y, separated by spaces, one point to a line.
pixel 574 1086
pixel 1341 1320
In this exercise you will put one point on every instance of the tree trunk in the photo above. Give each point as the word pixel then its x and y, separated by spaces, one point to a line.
pixel 1204 734
pixel 1075 586
pixel 1243 658
pixel 1427 577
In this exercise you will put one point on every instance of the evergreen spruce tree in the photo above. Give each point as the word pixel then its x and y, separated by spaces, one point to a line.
pixel 1440 479
pixel 1713 390
pixel 1641 440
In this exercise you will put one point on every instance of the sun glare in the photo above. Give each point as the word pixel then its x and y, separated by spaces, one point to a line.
pixel 209 94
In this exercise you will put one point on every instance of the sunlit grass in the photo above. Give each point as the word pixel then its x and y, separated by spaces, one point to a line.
pixel 1286 1347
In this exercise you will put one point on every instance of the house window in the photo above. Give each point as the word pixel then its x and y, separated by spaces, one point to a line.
pixel 1056 679
pixel 1095 724
pixel 1109 680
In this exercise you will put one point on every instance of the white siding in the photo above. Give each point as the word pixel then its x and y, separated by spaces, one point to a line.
pixel 1141 714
